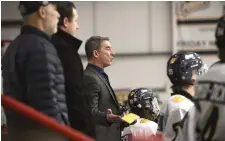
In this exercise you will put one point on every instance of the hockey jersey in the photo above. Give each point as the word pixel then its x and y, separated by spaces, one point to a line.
pixel 171 114
pixel 142 130
pixel 206 120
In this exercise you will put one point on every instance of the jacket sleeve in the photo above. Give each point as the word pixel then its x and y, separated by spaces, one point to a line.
pixel 40 88
pixel 92 90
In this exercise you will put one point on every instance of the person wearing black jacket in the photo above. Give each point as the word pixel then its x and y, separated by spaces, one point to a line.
pixel 67 46
pixel 32 73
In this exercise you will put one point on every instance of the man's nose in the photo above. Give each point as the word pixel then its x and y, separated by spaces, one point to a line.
pixel 78 26
pixel 112 52
pixel 58 15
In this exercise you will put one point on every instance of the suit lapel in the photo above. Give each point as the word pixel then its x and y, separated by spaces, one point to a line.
pixel 107 85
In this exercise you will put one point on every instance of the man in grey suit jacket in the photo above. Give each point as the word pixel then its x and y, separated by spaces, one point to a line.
pixel 96 86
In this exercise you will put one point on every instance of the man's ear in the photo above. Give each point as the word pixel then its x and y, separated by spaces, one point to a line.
pixel 194 81
pixel 42 12
pixel 95 54
pixel 65 22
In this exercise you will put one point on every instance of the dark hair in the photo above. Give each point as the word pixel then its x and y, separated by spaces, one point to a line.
pixel 93 43
pixel 65 9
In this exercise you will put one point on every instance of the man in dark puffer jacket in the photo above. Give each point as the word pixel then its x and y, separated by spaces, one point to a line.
pixel 32 72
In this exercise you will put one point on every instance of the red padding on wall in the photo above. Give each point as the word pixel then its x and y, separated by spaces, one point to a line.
pixel 43 119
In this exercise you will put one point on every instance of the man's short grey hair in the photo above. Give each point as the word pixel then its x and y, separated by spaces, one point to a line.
pixel 94 43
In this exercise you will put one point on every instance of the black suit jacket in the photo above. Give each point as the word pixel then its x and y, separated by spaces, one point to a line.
pixel 67 47
pixel 102 97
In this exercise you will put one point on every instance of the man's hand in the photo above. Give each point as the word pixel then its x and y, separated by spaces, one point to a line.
pixel 111 117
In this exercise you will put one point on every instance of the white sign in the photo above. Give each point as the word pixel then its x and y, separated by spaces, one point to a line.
pixel 196 23
pixel 196 37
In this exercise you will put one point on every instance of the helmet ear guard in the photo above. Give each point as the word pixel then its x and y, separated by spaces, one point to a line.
pixel 203 69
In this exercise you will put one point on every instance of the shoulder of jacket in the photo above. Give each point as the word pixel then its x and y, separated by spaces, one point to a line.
pixel 32 38
pixel 143 120
pixel 216 74
pixel 177 99
pixel 90 74
pixel 176 103
pixel 26 43
pixel 59 42
pixel 33 42
pixel 146 122
pixel 180 102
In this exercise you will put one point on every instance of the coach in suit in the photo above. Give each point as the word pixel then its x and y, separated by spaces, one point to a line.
pixel 96 86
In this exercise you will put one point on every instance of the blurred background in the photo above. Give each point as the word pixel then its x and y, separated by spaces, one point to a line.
pixel 143 36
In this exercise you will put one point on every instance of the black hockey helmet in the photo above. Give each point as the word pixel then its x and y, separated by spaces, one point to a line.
pixel 180 67
pixel 143 100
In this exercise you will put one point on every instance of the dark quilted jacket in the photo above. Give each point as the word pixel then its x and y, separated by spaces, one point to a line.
pixel 32 73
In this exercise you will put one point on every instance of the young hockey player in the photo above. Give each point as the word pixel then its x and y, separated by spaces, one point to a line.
pixel 182 70
pixel 143 103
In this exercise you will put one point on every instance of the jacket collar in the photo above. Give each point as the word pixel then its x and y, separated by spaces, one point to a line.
pixel 27 29
pixel 99 70
pixel 69 39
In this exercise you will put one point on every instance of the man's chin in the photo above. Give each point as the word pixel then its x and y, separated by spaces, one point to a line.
pixel 110 64
pixel 106 65
pixel 56 29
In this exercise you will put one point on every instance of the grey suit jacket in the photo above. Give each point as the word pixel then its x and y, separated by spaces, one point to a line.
pixel 101 97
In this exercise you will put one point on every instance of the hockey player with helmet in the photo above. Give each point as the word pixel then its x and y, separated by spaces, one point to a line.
pixel 205 121
pixel 143 103
pixel 182 70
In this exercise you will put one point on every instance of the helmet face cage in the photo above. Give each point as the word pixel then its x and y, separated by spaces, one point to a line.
pixel 143 100
pixel 203 69
pixel 155 108
pixel 181 66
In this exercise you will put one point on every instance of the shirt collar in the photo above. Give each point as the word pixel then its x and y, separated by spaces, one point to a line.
pixel 98 69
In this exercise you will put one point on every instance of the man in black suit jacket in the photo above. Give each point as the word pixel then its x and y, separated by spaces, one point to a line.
pixel 104 105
